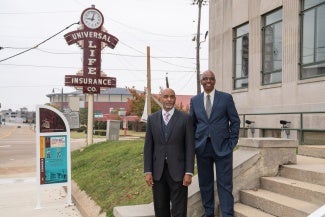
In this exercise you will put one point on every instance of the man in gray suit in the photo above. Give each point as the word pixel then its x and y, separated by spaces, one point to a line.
pixel 216 124
pixel 169 157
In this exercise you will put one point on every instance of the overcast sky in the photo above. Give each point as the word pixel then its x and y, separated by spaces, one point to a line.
pixel 167 27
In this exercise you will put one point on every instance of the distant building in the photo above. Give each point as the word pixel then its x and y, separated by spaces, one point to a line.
pixel 109 104
pixel 18 116
pixel 270 55
pixel 113 99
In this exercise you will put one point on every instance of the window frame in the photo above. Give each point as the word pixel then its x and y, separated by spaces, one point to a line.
pixel 264 26
pixel 302 75
pixel 235 38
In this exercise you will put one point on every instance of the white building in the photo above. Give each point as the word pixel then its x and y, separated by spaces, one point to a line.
pixel 270 55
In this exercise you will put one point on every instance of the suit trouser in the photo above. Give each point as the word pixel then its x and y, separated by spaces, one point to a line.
pixel 166 190
pixel 224 170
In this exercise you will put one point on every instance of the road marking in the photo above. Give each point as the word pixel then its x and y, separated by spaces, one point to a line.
pixel 5 146
pixel 15 180
pixel 6 135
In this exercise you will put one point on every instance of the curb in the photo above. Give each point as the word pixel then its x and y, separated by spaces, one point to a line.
pixel 86 206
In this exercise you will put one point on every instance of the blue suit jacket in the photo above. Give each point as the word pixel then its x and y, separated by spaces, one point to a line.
pixel 222 126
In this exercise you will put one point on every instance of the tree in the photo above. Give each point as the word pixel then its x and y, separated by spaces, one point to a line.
pixel 136 104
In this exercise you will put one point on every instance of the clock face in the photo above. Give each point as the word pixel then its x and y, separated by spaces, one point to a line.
pixel 92 18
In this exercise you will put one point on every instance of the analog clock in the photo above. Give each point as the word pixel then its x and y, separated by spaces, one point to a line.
pixel 92 18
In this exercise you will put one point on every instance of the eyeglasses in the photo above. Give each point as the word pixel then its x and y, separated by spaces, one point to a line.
pixel 208 79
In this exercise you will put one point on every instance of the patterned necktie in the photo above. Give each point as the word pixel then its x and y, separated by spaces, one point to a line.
pixel 166 118
pixel 208 106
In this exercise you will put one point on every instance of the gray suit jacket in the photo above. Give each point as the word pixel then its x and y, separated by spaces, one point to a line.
pixel 179 146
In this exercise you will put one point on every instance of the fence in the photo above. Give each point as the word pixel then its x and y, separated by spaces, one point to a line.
pixel 285 124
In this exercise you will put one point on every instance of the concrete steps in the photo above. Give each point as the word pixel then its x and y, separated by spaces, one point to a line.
pixel 297 191
pixel 276 204
pixel 312 150
pixel 308 169
pixel 242 210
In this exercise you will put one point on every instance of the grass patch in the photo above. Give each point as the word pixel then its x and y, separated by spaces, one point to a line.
pixel 111 173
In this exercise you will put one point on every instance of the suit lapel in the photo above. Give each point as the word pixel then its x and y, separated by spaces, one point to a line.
pixel 201 105
pixel 159 125
pixel 216 100
pixel 172 122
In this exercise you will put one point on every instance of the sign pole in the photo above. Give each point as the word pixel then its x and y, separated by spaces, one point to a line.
pixel 90 119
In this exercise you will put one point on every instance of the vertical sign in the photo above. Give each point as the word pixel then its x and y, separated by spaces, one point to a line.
pixel 53 159
pixel 92 38
pixel 52 150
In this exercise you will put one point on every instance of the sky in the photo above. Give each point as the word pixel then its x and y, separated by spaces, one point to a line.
pixel 167 27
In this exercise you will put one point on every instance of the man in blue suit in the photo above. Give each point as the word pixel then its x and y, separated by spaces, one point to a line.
pixel 216 125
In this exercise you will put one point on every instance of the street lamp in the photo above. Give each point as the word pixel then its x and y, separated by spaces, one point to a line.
pixel 53 91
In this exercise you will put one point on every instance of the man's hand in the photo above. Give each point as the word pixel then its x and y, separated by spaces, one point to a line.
pixel 149 179
pixel 187 180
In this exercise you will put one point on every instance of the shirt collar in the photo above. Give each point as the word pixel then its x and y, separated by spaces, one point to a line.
pixel 171 112
pixel 211 94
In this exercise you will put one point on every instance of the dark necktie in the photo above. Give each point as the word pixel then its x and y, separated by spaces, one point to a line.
pixel 208 106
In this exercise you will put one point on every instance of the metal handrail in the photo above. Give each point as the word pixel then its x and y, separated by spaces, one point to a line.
pixel 301 129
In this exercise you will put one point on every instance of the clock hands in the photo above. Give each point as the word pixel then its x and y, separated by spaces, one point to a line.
pixel 92 19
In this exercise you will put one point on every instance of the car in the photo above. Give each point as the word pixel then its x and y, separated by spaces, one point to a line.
pixel 18 126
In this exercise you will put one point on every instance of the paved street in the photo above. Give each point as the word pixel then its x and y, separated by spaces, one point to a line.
pixel 17 151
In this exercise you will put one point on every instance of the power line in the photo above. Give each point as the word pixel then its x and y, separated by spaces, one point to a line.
pixel 105 53
pixel 39 43
pixel 115 54
pixel 36 12
pixel 71 67
pixel 147 32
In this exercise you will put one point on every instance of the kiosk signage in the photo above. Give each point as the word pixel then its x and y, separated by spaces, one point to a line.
pixel 52 150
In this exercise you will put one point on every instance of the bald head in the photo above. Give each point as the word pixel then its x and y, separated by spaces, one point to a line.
pixel 168 98
pixel 208 81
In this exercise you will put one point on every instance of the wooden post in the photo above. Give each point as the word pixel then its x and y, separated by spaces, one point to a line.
pixel 148 82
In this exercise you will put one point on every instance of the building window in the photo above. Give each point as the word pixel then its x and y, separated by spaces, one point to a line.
pixel 272 48
pixel 313 39
pixel 241 48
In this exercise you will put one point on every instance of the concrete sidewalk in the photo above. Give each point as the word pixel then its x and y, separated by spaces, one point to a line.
pixel 18 199
pixel 18 193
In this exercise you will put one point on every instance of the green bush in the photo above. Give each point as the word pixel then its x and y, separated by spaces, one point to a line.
pixel 82 129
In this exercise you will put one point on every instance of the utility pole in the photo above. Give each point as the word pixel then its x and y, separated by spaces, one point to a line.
pixel 148 82
pixel 199 3
pixel 198 32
